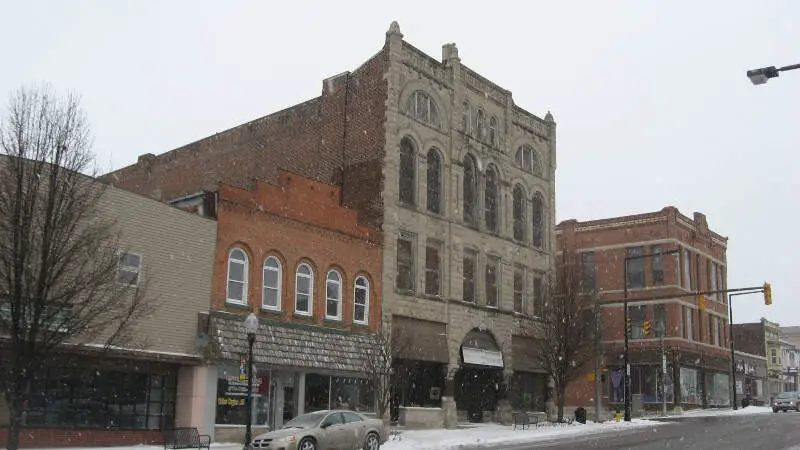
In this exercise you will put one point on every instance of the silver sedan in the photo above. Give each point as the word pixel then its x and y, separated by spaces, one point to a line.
pixel 325 430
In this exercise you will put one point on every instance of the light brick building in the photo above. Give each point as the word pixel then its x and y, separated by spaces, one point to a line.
pixel 696 341
pixel 460 180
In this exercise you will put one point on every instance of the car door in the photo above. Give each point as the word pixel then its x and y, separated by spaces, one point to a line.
pixel 354 430
pixel 332 432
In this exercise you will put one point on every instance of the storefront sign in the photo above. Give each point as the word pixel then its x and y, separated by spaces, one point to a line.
pixel 482 357
pixel 242 367
pixel 745 368
pixel 234 386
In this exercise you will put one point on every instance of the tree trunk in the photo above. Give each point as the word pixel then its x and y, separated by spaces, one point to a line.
pixel 561 390
pixel 14 421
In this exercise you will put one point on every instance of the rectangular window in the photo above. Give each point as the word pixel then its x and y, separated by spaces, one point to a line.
pixel 433 268
pixel 128 269
pixel 589 272
pixel 469 264
pixel 538 294
pixel 687 269
pixel 660 320
pixel 635 273
pixel 774 355
pixel 519 289
pixel 713 278
pixel 688 326
pixel 658 265
pixel 492 282
pixel 717 334
pixel 100 399
pixel 405 262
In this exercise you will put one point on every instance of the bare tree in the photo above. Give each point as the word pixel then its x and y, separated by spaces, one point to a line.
pixel 379 371
pixel 565 335
pixel 59 253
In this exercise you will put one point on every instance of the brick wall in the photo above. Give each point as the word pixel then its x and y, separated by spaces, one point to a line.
pixel 64 437
pixel 330 138
pixel 297 220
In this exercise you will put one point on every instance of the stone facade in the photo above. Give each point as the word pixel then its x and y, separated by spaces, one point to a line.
pixel 450 84
pixel 660 291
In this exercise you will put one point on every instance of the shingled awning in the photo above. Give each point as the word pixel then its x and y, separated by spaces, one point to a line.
pixel 293 345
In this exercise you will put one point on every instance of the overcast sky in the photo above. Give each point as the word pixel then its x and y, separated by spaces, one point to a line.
pixel 651 99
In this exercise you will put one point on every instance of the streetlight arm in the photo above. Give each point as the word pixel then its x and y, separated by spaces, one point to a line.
pixel 792 67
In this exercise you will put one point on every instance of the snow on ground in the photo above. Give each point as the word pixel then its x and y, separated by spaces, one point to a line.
pixel 488 434
pixel 728 412
pixel 493 434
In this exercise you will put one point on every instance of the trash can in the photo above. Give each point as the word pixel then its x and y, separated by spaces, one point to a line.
pixel 745 402
pixel 580 415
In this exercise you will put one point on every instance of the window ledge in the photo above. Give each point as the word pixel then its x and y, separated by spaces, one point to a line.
pixel 433 297
pixel 364 326
pixel 237 305
pixel 309 316
pixel 333 320
pixel 276 312
pixel 406 292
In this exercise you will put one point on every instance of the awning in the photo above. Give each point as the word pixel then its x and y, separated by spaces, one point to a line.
pixel 292 345
pixel 420 340
pixel 479 348
pixel 482 357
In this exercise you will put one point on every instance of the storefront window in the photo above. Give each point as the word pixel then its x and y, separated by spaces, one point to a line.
pixel 85 398
pixel 527 391
pixel 718 388
pixel 690 386
pixel 326 392
pixel 232 398
pixel 418 383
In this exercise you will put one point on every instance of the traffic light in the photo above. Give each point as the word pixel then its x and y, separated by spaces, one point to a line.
pixel 647 329
pixel 628 326
pixel 767 294
pixel 701 302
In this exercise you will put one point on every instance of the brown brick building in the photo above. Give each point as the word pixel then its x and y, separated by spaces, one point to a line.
pixel 291 253
pixel 695 341
pixel 459 180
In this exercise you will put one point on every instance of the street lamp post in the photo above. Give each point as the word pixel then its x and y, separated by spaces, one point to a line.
pixel 625 306
pixel 251 327
pixel 760 76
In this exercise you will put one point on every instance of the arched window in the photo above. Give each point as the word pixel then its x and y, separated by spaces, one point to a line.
pixel 423 109
pixel 537 214
pixel 519 213
pixel 361 303
pixel 434 181
pixel 333 296
pixel 237 277
pixel 527 160
pixel 493 131
pixel 470 190
pixel 304 290
pixel 466 117
pixel 407 171
pixel 491 200
pixel 272 280
pixel 480 124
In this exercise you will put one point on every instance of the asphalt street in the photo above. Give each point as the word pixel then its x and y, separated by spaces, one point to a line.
pixel 745 432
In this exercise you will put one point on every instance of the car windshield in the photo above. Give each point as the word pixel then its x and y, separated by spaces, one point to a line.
pixel 305 421
pixel 787 395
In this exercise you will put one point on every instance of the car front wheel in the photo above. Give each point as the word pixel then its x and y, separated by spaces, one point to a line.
pixel 372 443
pixel 775 410
pixel 308 444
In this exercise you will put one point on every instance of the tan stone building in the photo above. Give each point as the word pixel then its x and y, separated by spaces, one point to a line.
pixel 459 179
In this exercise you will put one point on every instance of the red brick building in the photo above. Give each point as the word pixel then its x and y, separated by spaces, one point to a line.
pixel 695 339
pixel 290 253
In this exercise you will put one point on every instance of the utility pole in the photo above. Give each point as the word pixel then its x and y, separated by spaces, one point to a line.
pixel 598 388
pixel 663 376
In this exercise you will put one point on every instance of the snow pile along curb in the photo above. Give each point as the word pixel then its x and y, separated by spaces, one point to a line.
pixel 492 434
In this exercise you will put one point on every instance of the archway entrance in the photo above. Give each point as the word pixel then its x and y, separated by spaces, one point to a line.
pixel 480 379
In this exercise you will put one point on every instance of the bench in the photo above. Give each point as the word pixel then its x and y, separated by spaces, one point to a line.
pixel 524 420
pixel 185 438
